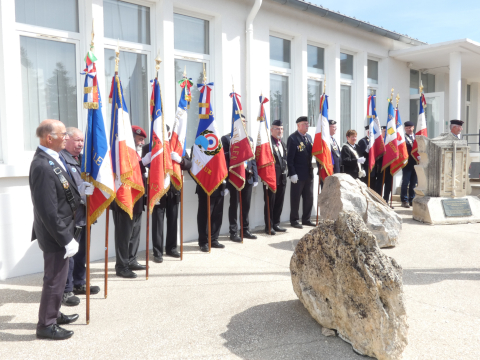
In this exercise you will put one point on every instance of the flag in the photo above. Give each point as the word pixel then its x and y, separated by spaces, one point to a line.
pixel 125 160
pixel 179 129
pixel 376 146
pixel 240 147
pixel 263 151
pixel 96 161
pixel 161 162
pixel 391 147
pixel 322 142
pixel 402 160
pixel 209 168
pixel 421 127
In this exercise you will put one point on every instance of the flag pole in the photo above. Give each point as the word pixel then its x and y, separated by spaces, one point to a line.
pixel 369 170
pixel 209 226
pixel 181 221
pixel 107 214
pixel 268 211
pixel 241 213
pixel 319 170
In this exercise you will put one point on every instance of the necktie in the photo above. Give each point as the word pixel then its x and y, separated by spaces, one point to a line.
pixel 65 164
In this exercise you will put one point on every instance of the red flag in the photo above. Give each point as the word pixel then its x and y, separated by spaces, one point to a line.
pixel 391 147
pixel 402 160
pixel 421 127
pixel 322 143
pixel 263 151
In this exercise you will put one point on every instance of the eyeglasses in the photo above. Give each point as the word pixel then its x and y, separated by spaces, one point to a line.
pixel 63 135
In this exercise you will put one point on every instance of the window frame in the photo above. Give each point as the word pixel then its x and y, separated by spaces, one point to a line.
pixel 351 83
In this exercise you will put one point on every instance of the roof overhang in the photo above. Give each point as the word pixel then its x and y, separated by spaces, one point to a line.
pixel 435 58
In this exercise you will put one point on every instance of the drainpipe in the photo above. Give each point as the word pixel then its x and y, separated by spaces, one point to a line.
pixel 249 60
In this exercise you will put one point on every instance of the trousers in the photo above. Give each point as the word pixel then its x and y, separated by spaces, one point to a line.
pixel 127 238
pixel 276 205
pixel 216 215
pixel 409 180
pixel 158 215
pixel 233 207
pixel 77 270
pixel 303 189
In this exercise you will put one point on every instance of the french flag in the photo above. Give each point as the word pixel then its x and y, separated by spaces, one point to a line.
pixel 263 151
pixel 402 160
pixel 323 141
pixel 376 146
pixel 209 168
pixel 125 160
pixel 96 161
pixel 391 147
pixel 421 127
pixel 240 148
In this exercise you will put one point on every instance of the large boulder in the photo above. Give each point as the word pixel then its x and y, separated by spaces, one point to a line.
pixel 348 284
pixel 341 192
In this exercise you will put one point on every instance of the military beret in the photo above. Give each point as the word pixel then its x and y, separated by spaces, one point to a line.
pixel 301 119
pixel 367 127
pixel 384 128
pixel 277 123
pixel 332 122
pixel 408 123
pixel 456 122
pixel 137 130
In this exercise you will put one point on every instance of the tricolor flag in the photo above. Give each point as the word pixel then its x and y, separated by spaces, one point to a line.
pixel 322 142
pixel 96 162
pixel 125 160
pixel 161 162
pixel 179 129
pixel 209 168
pixel 391 147
pixel 263 152
pixel 376 146
pixel 421 126
pixel 240 148
pixel 402 160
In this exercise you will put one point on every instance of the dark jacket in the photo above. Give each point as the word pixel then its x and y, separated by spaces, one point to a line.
pixel 75 169
pixel 53 218
pixel 337 156
pixel 280 162
pixel 362 148
pixel 251 173
pixel 411 160
pixel 299 156
pixel 349 161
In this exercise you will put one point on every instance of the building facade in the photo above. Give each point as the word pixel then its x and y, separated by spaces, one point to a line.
pixel 288 50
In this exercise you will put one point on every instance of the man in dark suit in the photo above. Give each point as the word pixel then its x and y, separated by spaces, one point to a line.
pixel 55 198
pixel 409 176
pixel 300 171
pixel 362 151
pixel 335 149
pixel 127 231
pixel 276 199
pixel 76 280
pixel 251 181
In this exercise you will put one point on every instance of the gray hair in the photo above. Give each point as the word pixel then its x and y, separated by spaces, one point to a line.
pixel 44 129
pixel 72 130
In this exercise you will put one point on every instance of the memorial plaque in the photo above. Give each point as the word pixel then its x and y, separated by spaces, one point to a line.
pixel 456 207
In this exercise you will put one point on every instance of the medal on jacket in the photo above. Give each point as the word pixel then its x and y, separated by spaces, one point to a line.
pixel 301 147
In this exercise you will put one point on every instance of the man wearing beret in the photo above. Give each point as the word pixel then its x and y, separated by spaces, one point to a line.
pixel 456 127
pixel 409 176
pixel 127 231
pixel 276 198
pixel 300 171
pixel 335 149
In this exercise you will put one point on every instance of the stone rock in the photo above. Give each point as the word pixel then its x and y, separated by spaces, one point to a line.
pixel 341 192
pixel 328 332
pixel 348 284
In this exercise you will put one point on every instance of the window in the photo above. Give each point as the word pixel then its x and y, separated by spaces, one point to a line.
pixel 315 59
pixel 346 66
pixel 372 72
pixel 345 109
pixel 418 79
pixel 279 52
pixel 314 92
pixel 191 34
pixel 468 92
pixel 132 72
pixel 279 100
pixel 428 82
pixel 192 51
pixel 414 82
pixel 54 14
pixel 127 22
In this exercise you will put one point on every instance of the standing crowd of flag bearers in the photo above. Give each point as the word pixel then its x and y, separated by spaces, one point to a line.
pixel 119 172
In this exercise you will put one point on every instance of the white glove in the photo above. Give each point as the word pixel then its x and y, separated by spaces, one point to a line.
pixel 225 192
pixel 175 157
pixel 147 159
pixel 71 249
pixel 255 184
pixel 294 178
pixel 361 160
pixel 86 188
pixel 418 157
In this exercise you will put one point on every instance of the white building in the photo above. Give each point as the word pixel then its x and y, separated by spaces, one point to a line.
pixel 284 49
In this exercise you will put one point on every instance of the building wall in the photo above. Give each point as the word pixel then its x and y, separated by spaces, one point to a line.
pixel 19 256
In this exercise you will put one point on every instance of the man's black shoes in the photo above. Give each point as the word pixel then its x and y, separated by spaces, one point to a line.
pixel 82 290
pixel 54 332
pixel 272 232
pixel 126 273
pixel 410 203
pixel 204 248
pixel 405 205
pixel 297 226
pixel 66 319
pixel 69 299
pixel 308 223
pixel 278 228
pixel 217 245
pixel 234 238
pixel 248 235
pixel 173 253
pixel 137 266
pixel 158 259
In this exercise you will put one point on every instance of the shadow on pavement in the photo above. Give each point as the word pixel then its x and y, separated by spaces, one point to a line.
pixel 5 324
pixel 285 245
pixel 8 296
pixel 282 330
pixel 430 276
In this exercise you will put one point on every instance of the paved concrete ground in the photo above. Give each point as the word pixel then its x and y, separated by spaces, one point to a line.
pixel 238 303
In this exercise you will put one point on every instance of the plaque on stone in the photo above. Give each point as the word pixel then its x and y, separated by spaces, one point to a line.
pixel 456 207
